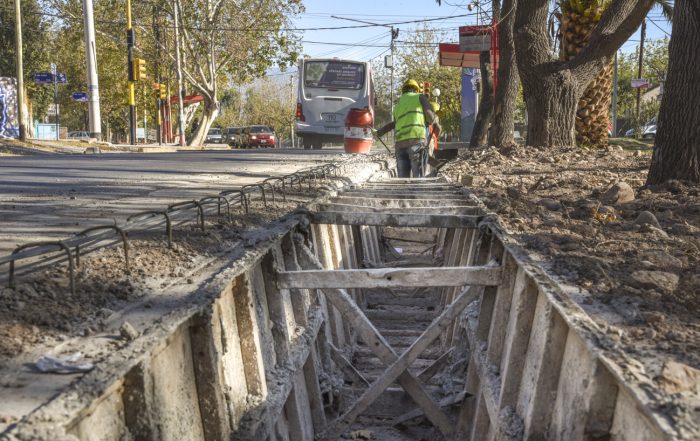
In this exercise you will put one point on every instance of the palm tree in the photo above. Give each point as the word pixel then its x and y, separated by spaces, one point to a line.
pixel 578 18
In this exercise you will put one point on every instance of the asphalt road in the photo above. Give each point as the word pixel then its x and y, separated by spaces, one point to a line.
pixel 50 197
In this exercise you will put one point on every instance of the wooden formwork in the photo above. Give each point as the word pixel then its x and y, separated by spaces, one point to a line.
pixel 539 367
pixel 253 362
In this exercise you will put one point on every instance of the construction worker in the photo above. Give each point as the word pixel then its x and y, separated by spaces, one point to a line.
pixel 432 139
pixel 411 115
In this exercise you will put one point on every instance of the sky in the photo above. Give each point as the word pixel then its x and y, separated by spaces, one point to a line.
pixel 319 15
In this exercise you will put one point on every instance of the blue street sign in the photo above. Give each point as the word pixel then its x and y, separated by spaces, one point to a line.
pixel 80 97
pixel 43 78
pixel 47 78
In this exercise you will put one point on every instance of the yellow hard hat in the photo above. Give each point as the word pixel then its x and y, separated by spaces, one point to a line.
pixel 410 84
pixel 435 106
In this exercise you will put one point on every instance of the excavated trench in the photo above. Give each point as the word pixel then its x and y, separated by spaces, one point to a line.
pixel 392 310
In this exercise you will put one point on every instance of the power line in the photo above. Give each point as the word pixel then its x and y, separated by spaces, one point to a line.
pixel 252 29
pixel 660 28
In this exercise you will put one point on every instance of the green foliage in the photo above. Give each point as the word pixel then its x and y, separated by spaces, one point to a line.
pixel 34 44
pixel 588 8
pixel 271 101
pixel 654 69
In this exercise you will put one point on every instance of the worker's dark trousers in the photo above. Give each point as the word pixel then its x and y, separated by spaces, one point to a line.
pixel 411 160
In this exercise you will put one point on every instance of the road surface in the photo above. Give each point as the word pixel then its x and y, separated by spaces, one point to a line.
pixel 50 197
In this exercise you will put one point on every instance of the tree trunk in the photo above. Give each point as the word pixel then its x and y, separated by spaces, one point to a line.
pixel 553 88
pixel 677 149
pixel 508 80
pixel 483 118
pixel 551 100
pixel 209 114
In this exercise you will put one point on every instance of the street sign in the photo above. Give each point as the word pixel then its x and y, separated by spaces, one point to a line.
pixel 51 111
pixel 638 83
pixel 475 43
pixel 80 97
pixel 47 78
pixel 43 78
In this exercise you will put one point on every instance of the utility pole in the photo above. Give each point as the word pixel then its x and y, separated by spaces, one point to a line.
pixel 641 61
pixel 156 66
pixel 178 62
pixel 94 118
pixel 614 99
pixel 394 35
pixel 54 76
pixel 130 41
pixel 291 99
pixel 20 71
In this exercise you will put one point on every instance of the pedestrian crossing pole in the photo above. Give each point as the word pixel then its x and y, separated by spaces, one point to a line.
pixel 130 40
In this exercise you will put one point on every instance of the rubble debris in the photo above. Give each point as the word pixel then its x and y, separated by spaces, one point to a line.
pixel 678 377
pixel 63 365
pixel 128 332
pixel 619 193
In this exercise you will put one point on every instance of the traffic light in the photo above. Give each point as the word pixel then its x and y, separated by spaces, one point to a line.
pixel 139 69
pixel 160 91
pixel 426 89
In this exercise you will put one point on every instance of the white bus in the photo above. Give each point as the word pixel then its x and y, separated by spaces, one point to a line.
pixel 328 89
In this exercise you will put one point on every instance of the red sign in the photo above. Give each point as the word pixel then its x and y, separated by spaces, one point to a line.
pixel 476 39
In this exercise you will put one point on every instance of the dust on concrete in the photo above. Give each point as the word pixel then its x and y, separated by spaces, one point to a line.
pixel 589 219
pixel 40 311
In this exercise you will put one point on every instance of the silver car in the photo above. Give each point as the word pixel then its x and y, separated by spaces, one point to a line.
pixel 214 136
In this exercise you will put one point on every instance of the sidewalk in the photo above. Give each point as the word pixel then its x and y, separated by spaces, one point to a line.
pixel 11 147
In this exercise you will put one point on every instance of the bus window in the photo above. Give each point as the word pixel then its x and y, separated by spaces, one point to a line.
pixel 334 75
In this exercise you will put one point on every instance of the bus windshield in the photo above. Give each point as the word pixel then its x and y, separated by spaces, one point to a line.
pixel 334 75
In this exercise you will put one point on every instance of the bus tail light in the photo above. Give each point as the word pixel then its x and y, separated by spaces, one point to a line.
pixel 300 113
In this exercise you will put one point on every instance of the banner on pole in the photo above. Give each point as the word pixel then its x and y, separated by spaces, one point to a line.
pixel 9 123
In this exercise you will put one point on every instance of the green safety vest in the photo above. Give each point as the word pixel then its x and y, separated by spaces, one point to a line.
pixel 408 114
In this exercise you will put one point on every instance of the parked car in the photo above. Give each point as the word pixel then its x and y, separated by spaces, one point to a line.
pixel 648 131
pixel 232 136
pixel 214 136
pixel 258 136
pixel 78 135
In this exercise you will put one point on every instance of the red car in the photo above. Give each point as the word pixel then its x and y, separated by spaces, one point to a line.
pixel 258 136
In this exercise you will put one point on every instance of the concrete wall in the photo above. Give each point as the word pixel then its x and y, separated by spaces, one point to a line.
pixel 537 370
pixel 248 366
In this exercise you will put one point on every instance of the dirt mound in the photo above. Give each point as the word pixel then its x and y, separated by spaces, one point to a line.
pixel 588 216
